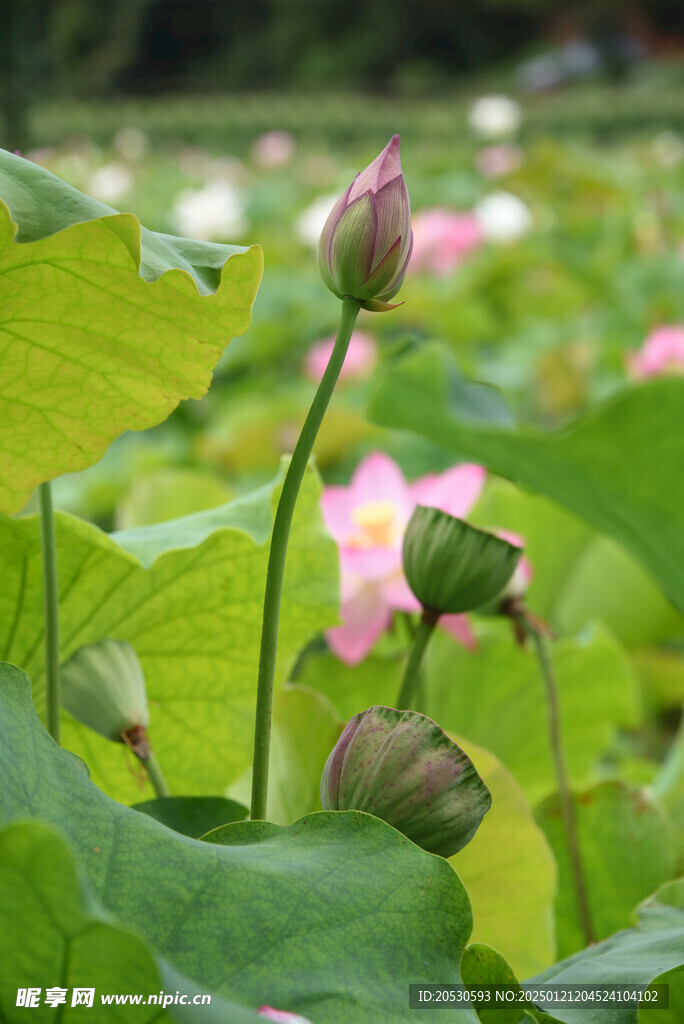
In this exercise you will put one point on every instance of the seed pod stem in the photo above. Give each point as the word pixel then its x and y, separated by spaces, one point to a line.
pixel 156 775
pixel 409 685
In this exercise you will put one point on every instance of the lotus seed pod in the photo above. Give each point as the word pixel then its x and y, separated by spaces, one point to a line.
pixel 103 686
pixel 451 566
pixel 401 767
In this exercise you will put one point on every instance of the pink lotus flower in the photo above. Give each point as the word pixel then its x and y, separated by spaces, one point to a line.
pixel 281 1016
pixel 662 352
pixel 362 355
pixel 442 239
pixel 368 519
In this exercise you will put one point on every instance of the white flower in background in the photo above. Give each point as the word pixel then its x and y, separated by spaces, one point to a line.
pixel 503 217
pixel 311 221
pixel 214 213
pixel 668 148
pixel 110 183
pixel 274 149
pixel 130 143
pixel 493 116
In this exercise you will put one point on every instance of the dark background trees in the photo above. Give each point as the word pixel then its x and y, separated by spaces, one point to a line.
pixel 79 48
pixel 143 45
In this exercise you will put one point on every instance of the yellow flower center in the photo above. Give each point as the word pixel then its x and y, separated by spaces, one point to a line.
pixel 377 522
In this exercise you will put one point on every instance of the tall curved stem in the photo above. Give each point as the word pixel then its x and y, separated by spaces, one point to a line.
pixel 278 552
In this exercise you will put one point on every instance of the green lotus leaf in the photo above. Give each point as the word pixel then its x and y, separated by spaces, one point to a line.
pixel 509 854
pixel 55 933
pixel 330 917
pixel 193 815
pixel 102 330
pixel 628 848
pixel 484 965
pixel 187 595
pixel 635 956
pixel 617 467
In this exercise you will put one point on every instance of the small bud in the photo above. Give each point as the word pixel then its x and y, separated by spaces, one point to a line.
pixel 401 767
pixel 366 243
pixel 103 686
pixel 451 566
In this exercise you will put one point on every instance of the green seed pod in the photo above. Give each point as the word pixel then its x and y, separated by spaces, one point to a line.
pixel 103 686
pixel 401 767
pixel 451 566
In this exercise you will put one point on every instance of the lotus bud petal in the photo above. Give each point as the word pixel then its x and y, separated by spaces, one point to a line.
pixel 451 566
pixel 366 243
pixel 103 686
pixel 401 767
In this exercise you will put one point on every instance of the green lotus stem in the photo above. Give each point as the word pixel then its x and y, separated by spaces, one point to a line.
pixel 278 552
pixel 411 680
pixel 51 611
pixel 155 775
pixel 567 803
pixel 410 625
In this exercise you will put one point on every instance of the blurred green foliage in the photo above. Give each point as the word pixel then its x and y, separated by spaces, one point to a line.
pixel 551 318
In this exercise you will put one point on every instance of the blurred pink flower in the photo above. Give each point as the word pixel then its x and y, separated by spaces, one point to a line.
pixel 519 582
pixel 442 238
pixel 368 519
pixel 362 355
pixel 662 352
pixel 504 158
pixel 281 1016
pixel 274 149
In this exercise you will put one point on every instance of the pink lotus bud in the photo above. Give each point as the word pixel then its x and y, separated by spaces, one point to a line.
pixel 366 243
pixel 281 1016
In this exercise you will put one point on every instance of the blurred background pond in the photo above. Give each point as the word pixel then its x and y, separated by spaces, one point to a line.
pixel 543 149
